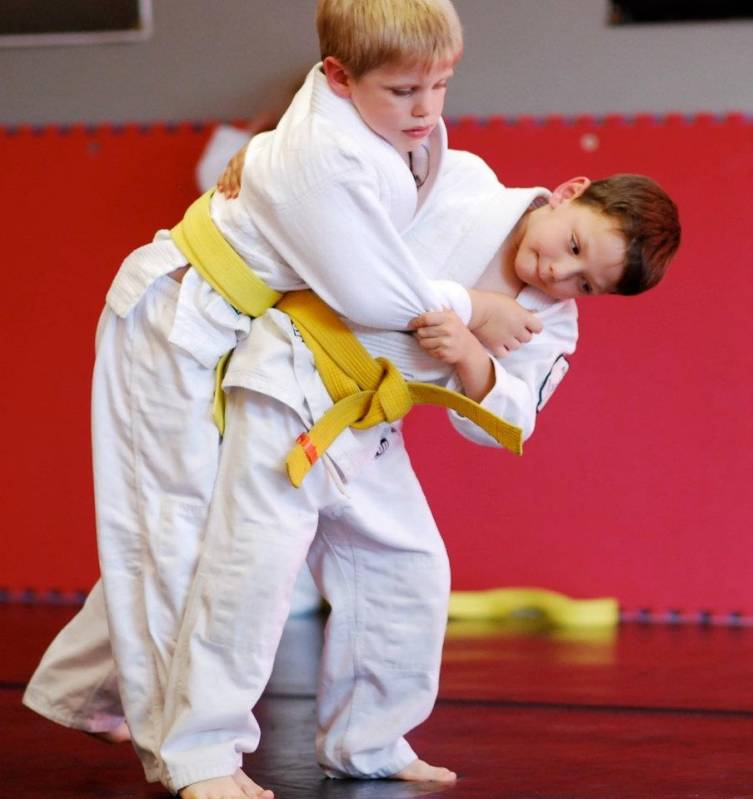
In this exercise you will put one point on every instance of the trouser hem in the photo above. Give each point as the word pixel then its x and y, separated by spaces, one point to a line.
pixel 175 779
pixel 43 707
pixel 396 765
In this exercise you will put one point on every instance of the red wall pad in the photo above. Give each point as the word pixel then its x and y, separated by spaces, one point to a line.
pixel 637 482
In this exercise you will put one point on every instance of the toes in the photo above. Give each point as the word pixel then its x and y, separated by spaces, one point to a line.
pixel 420 771
pixel 249 787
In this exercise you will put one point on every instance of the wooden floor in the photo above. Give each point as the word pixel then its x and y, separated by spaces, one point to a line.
pixel 643 712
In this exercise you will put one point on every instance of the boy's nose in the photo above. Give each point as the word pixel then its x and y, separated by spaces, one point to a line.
pixel 558 271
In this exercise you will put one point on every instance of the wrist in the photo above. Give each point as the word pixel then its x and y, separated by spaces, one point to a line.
pixel 476 371
pixel 479 308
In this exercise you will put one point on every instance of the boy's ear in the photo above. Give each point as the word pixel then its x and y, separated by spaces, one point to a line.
pixel 338 77
pixel 569 190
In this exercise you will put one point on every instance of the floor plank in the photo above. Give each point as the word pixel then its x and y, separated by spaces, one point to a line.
pixel 641 712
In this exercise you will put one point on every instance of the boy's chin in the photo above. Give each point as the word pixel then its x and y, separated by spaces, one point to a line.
pixel 412 145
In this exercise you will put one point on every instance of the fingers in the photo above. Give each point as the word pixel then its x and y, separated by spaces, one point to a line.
pixel 432 318
pixel 229 182
pixel 227 185
pixel 426 331
pixel 510 345
pixel 430 338
pixel 534 324
pixel 441 350
pixel 524 336
pixel 435 331
pixel 438 345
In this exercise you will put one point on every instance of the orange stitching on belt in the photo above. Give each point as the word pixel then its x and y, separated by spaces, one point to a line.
pixel 308 447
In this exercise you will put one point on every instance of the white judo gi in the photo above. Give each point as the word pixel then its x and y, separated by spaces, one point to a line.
pixel 74 683
pixel 323 193
pixel 377 556
pixel 223 143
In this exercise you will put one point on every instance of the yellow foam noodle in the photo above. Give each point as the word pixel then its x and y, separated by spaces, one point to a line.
pixel 558 609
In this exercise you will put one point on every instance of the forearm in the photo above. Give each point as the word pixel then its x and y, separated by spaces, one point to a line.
pixel 508 397
pixel 500 323
pixel 340 241
pixel 482 308
pixel 476 372
pixel 526 379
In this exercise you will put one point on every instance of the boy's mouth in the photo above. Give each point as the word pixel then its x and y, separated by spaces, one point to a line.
pixel 418 133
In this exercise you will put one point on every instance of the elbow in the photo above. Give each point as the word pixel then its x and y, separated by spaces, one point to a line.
pixel 528 426
pixel 527 418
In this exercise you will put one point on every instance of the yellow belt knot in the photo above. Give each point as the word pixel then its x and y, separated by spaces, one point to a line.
pixel 391 399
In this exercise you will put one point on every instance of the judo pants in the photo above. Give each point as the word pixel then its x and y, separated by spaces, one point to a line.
pixel 155 454
pixel 377 558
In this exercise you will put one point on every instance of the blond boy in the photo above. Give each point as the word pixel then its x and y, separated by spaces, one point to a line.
pixel 352 162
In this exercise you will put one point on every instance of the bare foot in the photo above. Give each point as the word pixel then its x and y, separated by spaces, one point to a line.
pixel 250 788
pixel 216 788
pixel 237 786
pixel 419 771
pixel 118 735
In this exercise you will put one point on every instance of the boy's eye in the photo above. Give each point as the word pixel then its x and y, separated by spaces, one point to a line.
pixel 402 92
pixel 574 246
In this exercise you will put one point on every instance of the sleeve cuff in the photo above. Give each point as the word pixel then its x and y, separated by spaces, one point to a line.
pixel 457 298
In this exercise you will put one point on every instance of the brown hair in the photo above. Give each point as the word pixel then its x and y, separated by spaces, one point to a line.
pixel 647 217
pixel 366 34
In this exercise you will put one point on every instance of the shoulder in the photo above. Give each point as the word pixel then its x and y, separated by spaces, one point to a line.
pixel 309 156
pixel 461 166
pixel 326 135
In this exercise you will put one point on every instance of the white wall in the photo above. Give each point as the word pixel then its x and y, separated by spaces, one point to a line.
pixel 220 59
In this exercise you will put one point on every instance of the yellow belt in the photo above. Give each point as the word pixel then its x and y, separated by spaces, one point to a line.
pixel 365 390
pixel 205 248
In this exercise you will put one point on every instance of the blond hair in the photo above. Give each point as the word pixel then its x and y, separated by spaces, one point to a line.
pixel 366 34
